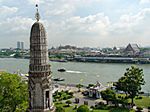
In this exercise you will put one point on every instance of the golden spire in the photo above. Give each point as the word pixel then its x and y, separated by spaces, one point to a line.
pixel 37 15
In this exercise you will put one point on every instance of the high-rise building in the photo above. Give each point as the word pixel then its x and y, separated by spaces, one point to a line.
pixel 40 84
pixel 20 45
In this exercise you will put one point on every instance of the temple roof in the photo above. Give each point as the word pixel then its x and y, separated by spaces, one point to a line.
pixel 132 47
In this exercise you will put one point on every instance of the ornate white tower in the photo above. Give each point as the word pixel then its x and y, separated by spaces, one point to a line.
pixel 40 85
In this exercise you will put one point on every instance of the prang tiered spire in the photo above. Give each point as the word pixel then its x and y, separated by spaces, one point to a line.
pixel 40 84
pixel 37 15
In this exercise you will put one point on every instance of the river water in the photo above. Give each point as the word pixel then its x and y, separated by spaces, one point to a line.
pixel 78 72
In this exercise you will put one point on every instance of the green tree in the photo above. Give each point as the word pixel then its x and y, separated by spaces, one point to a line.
pixel 83 108
pixel 131 82
pixel 60 109
pixel 79 86
pixel 13 93
pixel 90 85
pixel 68 102
pixel 108 95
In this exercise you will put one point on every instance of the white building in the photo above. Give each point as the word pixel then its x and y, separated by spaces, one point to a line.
pixel 94 91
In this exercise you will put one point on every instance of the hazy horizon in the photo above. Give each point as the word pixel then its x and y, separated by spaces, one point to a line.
pixel 89 23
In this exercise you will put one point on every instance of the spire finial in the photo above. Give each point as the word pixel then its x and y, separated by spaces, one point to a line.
pixel 37 15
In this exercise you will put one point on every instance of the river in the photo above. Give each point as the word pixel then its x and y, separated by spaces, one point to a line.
pixel 78 72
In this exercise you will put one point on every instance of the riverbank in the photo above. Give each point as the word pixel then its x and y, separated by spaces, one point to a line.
pixel 121 60
pixel 126 60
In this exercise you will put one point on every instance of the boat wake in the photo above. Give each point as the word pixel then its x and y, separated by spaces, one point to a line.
pixel 77 72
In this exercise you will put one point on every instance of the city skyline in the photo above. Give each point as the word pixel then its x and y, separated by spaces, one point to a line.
pixel 93 23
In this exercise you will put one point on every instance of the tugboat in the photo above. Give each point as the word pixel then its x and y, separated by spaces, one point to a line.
pixel 61 70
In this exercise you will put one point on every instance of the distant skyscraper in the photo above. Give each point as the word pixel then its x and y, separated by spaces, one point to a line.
pixel 20 45
pixel 40 85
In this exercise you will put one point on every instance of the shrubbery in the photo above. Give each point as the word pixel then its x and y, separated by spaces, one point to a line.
pixel 83 108
pixel 63 95
pixel 60 109
pixel 101 105
pixel 68 102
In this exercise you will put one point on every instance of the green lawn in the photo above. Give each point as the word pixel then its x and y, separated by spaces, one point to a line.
pixel 120 110
pixel 71 109
pixel 144 102
pixel 115 110
pixel 67 109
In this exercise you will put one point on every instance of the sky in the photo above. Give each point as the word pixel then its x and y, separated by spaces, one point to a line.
pixel 82 23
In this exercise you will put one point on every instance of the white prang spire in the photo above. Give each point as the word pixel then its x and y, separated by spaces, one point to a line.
pixel 37 15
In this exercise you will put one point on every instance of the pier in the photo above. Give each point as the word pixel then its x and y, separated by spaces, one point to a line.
pixel 113 60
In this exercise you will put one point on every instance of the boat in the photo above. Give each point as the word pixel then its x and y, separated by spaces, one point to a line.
pixel 59 79
pixel 61 70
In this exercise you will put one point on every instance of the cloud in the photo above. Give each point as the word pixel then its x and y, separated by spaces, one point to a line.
pixel 132 28
pixel 144 1
pixel 36 1
pixel 16 24
pixel 129 21
pixel 66 24
pixel 61 10
pixel 78 28
pixel 90 24
pixel 65 8
pixel 98 30
pixel 7 11
pixel 1 1
pixel 15 29
pixel 92 30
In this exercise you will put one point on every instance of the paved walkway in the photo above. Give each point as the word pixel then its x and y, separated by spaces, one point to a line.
pixel 91 102
pixel 82 99
pixel 144 109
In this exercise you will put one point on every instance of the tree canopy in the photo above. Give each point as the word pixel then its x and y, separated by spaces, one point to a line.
pixel 131 82
pixel 83 108
pixel 108 95
pixel 60 109
pixel 13 93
